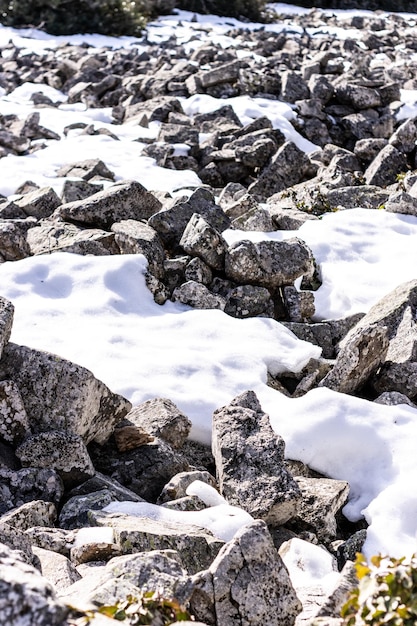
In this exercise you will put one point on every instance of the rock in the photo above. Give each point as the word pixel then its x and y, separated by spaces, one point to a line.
pixel 385 167
pixel 87 170
pixel 135 237
pixel 176 488
pixel 318 334
pixel 249 301
pixel 361 355
pixel 61 395
pixel 29 484
pixel 202 240
pixel 63 451
pixel 404 138
pixel 293 87
pixel 160 417
pixel 34 513
pixel 196 546
pixel 299 304
pixel 39 203
pixel 128 436
pixel 287 167
pixel 13 246
pixel 56 569
pixel 358 96
pixel 392 398
pixel 74 513
pixel 52 539
pixel 26 597
pixel 401 202
pixel 250 461
pixel 268 264
pixel 198 296
pixel 247 583
pixel 347 582
pixel 198 271
pixel 14 423
pixel 365 196
pixel 74 190
pixel 122 201
pixel 51 236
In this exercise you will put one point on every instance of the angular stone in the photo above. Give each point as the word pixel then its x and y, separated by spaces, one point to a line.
pixel 63 451
pixel 160 417
pixel 403 203
pixel 57 569
pixel 287 167
pixel 386 166
pixel 74 513
pixel 14 423
pixel 196 546
pixel 401 377
pixel 74 190
pixel 299 304
pixel 365 196
pixel 87 170
pixel 393 398
pixel 247 584
pixel 318 334
pixel 16 539
pixel 404 138
pixel 34 513
pixel 249 301
pixel 53 539
pixel 128 436
pixel 13 245
pixel 135 237
pixel 198 271
pixel 249 459
pixel 367 149
pixel 361 355
pixel 61 395
pixel 39 203
pixel 176 488
pixel 198 296
pixel 357 96
pixel 268 264
pixel 26 597
pixel 226 73
pixel 61 236
pixel 202 240
pixel 28 484
pixel 122 201
pixel 293 87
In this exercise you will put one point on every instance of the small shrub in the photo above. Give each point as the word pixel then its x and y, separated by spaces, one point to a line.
pixel 253 10
pixel 68 17
pixel 386 594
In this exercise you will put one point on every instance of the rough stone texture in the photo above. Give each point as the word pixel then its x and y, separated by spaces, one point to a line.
pixel 63 451
pixel 202 240
pixel 39 203
pixel 322 499
pixel 319 334
pixel 53 539
pixel 247 584
pixel 34 513
pixel 249 459
pixel 268 263
pixel 177 487
pixel 198 271
pixel 249 301
pixel 135 237
pixel 401 377
pixel 385 167
pixel 13 246
pixel 401 202
pixel 128 436
pixel 359 358
pixel 287 167
pixel 196 546
pixel 122 201
pixel 299 304
pixel 25 596
pixel 56 568
pixel 392 398
pixel 14 423
pixel 74 190
pixel 56 235
pixel 28 484
pixel 144 470
pixel 160 417
pixel 61 395
pixel 6 322
pixel 74 513
pixel 198 296
pixel 347 582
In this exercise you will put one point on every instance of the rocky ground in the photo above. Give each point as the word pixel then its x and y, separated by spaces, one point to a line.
pixel 69 446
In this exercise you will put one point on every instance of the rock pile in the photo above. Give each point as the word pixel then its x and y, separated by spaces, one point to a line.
pixel 69 447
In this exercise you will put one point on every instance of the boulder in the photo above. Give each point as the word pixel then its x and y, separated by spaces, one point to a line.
pixel 385 167
pixel 200 239
pixel 29 484
pixel 160 417
pixel 135 237
pixel 198 296
pixel 39 203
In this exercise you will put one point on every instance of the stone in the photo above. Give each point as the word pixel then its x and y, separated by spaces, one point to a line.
pixel 27 485
pixel 198 271
pixel 299 304
pixel 196 546
pixel 176 488
pixel 144 470
pixel 228 72
pixel 198 296
pixel 268 264
pixel 400 377
pixel 160 417
pixel 258 219
pixel 287 167
pixel 361 355
pixel 63 451
pixel 249 458
pixel 358 96
pixel 16 539
pixel 57 569
pixel 14 423
pixel 129 436
pixel 249 301
pixel 39 203
pixel 405 136
pixel 33 513
pixel 74 512
pixel 202 240
pixel 74 190
pixel 367 149
pixel 393 398
pixel 321 502
pixel 122 201
pixel 293 87
pixel 401 202
pixel 247 584
pixel 86 170
pixel 61 395
pixel 60 236
pixel 385 167
pixel 135 237
pixel 13 245
pixel 335 600
pixel 52 539
pixel 318 334
pixel 365 196
pixel 26 597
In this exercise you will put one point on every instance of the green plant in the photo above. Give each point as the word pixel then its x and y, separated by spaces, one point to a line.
pixel 386 594
pixel 147 608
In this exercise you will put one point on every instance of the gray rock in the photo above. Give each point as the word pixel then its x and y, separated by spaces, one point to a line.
pixel 225 73
pixel 88 169
pixel 61 395
pixel 367 149
pixel 247 584
pixel 100 482
pixel 299 304
pixel 258 219
pixel 393 398
pixel 334 602
pixel 63 451
pixel 249 459
pixel 34 513
pixel 358 96
pixel 365 196
pixel 162 418
pixel 321 501
pixel 202 240
pixel 385 168
pixel 28 484
pixel 26 597
pixel 198 271
pixel 249 301
pixel 13 246
pixel 187 503
pixel 50 236
pixel 401 377
pixel 14 423
pixel 268 264
pixel 16 539
pixel 144 470
pixel 404 138
pixel 74 190
pixel 135 237
pixel 53 539
pixel 198 296
pixel 74 513
pixel 318 334
pixel 361 355
pixel 39 203
pixel 293 87
pixel 176 488
pixel 287 167
pixel 196 546
pixel 57 569
pixel 401 202
pixel 122 201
